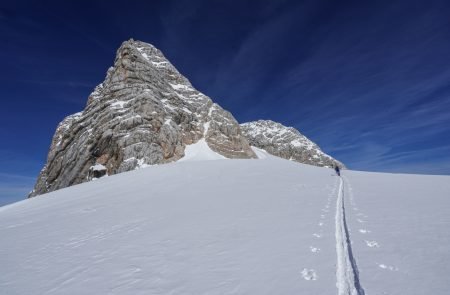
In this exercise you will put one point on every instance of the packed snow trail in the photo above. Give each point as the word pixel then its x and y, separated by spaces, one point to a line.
pixel 346 269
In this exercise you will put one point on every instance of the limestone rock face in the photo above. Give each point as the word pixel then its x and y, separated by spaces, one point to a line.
pixel 144 113
pixel 287 143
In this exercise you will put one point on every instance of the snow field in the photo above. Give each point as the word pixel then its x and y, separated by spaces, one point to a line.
pixel 267 226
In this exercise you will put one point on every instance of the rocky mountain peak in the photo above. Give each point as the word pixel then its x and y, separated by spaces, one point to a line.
pixel 286 142
pixel 144 112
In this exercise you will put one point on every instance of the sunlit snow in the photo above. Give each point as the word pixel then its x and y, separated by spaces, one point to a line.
pixel 267 226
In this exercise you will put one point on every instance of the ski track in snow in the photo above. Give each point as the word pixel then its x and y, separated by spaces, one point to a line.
pixel 347 275
pixel 119 235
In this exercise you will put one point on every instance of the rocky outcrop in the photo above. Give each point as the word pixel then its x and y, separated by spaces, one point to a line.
pixel 144 113
pixel 286 142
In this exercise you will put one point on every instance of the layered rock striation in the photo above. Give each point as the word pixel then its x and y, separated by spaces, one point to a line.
pixel 144 113
pixel 287 143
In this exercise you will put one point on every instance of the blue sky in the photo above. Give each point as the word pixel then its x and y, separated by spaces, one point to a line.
pixel 369 81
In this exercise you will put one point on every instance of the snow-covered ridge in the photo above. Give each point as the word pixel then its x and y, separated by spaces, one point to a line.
pixel 286 142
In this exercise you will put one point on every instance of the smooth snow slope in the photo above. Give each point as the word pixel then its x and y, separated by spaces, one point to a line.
pixel 266 226
pixel 200 151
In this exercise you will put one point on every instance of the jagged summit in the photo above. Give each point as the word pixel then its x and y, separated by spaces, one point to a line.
pixel 144 112
pixel 286 142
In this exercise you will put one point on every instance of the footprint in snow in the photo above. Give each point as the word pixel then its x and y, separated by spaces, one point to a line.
pixel 317 235
pixel 364 231
pixel 309 274
pixel 360 220
pixel 372 244
pixel 314 249
pixel 387 267
pixel 321 223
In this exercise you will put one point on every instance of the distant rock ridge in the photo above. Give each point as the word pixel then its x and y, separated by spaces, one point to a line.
pixel 144 113
pixel 287 143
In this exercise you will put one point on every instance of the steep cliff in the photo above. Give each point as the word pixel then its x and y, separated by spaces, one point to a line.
pixel 145 112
